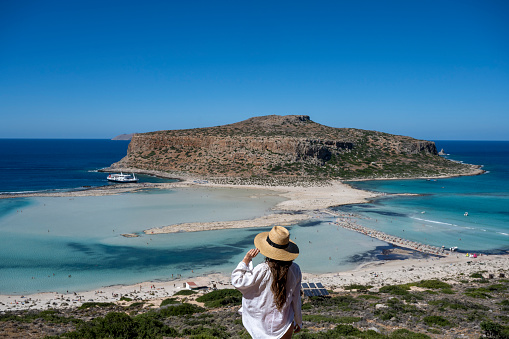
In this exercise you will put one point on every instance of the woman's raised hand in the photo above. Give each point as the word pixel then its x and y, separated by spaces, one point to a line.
pixel 250 255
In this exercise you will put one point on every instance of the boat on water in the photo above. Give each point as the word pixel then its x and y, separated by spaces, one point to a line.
pixel 121 177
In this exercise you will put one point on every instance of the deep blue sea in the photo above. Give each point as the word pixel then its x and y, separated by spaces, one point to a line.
pixel 28 165
pixel 471 212
pixel 75 244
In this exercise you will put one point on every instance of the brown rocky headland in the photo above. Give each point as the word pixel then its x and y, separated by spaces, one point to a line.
pixel 286 148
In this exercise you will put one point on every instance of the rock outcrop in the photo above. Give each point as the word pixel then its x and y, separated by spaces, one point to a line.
pixel 285 146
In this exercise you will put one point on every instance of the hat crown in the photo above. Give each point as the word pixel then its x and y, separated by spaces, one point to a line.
pixel 279 235
pixel 276 244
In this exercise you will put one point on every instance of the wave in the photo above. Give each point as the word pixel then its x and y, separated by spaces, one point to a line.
pixel 434 222
pixel 54 190
pixel 20 192
pixel 464 227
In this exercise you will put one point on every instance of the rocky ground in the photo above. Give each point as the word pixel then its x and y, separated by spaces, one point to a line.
pixel 468 307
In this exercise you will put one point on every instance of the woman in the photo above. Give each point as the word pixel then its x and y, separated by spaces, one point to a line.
pixel 271 305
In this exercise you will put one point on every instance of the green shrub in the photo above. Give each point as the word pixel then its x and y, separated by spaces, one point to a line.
pixel 436 320
pixel 206 332
pixel 334 320
pixel 137 304
pixel 113 325
pixel 149 326
pixel 120 325
pixel 346 330
pixel 181 309
pixel 186 292
pixel 51 316
pixel 497 287
pixel 169 301
pixel 95 304
pixel 433 284
pixel 478 294
pixel 495 330
pixel 455 305
pixel 368 296
pixel 341 301
pixel 221 298
pixel 484 292
pixel 307 306
pixel 126 299
pixel 357 287
pixel 395 289
pixel 396 307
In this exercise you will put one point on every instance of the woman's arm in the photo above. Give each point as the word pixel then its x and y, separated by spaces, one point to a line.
pixel 244 276
pixel 250 255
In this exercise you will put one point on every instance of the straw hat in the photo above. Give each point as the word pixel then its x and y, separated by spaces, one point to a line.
pixel 276 244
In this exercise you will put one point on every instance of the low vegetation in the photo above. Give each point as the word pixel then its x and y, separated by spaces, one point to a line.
pixel 221 298
pixel 396 311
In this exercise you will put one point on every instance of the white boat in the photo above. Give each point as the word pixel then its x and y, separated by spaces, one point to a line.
pixel 122 177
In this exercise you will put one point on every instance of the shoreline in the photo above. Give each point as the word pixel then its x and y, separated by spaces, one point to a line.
pixel 187 179
pixel 376 274
pixel 475 171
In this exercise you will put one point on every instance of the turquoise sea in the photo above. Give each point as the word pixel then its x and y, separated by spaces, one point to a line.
pixel 471 213
pixel 74 244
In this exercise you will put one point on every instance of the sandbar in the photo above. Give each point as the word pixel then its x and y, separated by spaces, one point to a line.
pixel 300 202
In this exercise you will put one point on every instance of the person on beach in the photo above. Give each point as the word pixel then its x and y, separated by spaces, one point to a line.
pixel 271 301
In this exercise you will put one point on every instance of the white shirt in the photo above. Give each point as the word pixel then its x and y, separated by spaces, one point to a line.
pixel 260 316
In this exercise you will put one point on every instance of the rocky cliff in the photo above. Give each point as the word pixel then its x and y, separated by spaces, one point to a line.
pixel 286 146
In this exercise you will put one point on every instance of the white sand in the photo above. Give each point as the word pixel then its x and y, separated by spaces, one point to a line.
pixel 300 199
pixel 454 267
pixel 451 269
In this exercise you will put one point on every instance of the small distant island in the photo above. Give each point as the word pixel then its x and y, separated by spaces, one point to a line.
pixel 291 147
pixel 124 136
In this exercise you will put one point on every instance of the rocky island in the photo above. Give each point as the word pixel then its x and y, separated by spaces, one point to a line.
pixel 286 148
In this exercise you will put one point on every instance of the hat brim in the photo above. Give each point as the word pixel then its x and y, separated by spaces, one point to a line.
pixel 287 254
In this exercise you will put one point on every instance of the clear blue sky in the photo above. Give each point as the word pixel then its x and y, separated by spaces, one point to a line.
pixel 95 69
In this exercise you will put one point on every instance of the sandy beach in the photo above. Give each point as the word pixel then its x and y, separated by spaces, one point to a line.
pixel 450 269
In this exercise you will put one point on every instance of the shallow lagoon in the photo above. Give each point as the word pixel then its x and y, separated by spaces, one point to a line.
pixel 437 215
pixel 75 244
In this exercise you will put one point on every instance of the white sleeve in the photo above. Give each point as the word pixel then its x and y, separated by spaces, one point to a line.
pixel 244 277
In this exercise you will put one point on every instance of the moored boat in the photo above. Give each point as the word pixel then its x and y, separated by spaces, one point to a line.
pixel 116 177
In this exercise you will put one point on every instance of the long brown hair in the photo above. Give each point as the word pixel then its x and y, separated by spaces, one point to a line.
pixel 279 271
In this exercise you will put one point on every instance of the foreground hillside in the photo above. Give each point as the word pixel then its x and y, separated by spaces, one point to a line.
pixel 287 147
pixel 467 307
